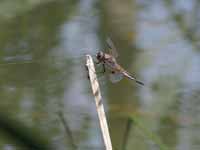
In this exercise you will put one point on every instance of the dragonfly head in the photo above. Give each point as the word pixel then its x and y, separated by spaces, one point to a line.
pixel 100 55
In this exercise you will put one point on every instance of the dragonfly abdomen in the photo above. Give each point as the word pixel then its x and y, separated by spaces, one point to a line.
pixel 132 78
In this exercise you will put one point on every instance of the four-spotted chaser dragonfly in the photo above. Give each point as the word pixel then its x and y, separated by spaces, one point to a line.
pixel 108 60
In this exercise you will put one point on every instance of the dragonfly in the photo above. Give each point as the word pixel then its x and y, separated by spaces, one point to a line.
pixel 109 62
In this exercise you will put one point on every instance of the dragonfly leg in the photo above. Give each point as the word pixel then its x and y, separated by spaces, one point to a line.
pixel 104 68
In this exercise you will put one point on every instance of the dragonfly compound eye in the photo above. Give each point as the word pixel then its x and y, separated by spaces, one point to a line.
pixel 99 55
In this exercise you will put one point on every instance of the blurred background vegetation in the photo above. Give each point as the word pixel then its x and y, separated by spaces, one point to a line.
pixel 46 100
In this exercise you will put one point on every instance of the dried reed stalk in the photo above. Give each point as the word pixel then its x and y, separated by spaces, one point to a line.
pixel 98 101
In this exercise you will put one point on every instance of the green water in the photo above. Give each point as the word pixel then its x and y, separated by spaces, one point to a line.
pixel 42 74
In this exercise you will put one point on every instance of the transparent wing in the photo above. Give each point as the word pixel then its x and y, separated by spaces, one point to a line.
pixel 112 48
pixel 115 77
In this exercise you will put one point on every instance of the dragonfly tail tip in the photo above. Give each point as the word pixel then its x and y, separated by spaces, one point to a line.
pixel 140 82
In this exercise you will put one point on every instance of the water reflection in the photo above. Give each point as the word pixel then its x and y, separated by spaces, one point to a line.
pixel 42 72
pixel 170 77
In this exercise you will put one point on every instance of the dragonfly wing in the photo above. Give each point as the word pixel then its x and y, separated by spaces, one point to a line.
pixel 112 48
pixel 115 77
